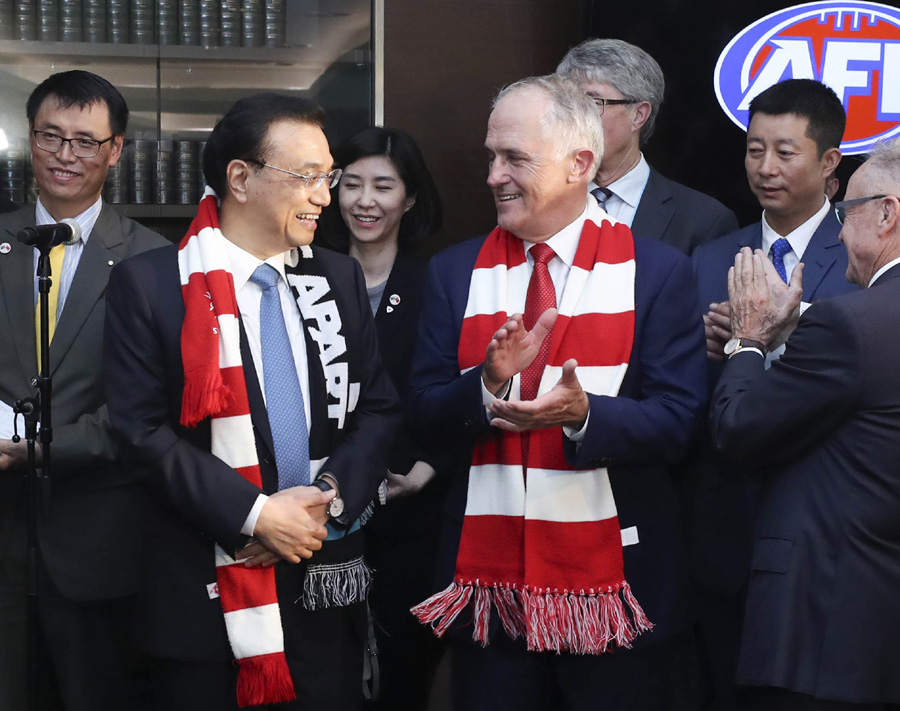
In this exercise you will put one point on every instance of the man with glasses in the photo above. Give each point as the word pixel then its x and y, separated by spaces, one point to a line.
pixel 822 426
pixel 87 521
pixel 793 148
pixel 243 367
pixel 627 86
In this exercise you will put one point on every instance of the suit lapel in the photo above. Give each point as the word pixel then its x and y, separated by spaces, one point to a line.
pixel 17 281
pixel 820 254
pixel 402 275
pixel 258 414
pixel 100 254
pixel 653 213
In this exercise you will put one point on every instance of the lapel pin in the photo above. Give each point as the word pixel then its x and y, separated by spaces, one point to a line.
pixel 390 309
pixel 4 248
pixel 110 262
pixel 395 299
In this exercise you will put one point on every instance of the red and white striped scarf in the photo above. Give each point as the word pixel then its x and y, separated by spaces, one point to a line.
pixel 214 387
pixel 547 555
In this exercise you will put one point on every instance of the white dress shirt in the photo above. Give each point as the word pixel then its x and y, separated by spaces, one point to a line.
pixel 626 192
pixel 249 295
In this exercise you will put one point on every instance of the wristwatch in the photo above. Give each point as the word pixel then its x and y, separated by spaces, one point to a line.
pixel 336 505
pixel 736 345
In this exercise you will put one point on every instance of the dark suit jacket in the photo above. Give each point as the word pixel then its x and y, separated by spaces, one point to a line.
pixel 680 216
pixel 724 502
pixel 89 535
pixel 201 500
pixel 822 615
pixel 639 435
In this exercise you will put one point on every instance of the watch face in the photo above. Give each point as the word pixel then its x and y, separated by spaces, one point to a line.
pixel 732 346
pixel 336 507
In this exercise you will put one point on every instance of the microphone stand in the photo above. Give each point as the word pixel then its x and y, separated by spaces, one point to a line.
pixel 38 479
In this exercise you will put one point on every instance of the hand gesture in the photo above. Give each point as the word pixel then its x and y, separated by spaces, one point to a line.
pixel 512 349
pixel 565 405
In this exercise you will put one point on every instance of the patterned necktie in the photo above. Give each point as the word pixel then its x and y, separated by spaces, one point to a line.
pixel 541 296
pixel 602 195
pixel 57 256
pixel 284 399
pixel 779 248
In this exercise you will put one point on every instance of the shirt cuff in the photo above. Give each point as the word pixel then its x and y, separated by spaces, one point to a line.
pixel 804 305
pixel 253 516
pixel 487 397
pixel 577 435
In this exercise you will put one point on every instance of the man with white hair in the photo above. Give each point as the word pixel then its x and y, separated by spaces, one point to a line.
pixel 565 356
pixel 627 86
pixel 822 626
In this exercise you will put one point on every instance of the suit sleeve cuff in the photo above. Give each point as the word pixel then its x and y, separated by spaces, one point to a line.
pixel 253 516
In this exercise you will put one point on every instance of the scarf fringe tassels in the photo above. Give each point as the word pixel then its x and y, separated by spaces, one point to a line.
pixel 549 621
pixel 265 680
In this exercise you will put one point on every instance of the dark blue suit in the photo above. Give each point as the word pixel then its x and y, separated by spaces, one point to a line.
pixel 823 425
pixel 638 435
pixel 679 216
pixel 725 499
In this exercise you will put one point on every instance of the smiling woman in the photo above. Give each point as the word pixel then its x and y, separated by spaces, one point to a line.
pixel 387 202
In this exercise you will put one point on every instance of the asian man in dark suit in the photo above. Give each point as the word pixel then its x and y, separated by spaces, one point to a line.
pixel 822 627
pixel 88 528
pixel 243 603
pixel 628 85
pixel 619 441
pixel 793 144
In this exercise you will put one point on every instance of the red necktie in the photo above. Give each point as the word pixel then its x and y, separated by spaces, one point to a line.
pixel 541 296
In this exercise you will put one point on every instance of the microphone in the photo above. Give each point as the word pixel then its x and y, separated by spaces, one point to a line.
pixel 65 232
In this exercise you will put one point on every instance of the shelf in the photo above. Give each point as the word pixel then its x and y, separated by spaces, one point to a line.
pixel 259 55
pixel 155 211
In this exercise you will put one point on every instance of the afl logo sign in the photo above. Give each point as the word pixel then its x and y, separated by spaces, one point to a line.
pixel 853 47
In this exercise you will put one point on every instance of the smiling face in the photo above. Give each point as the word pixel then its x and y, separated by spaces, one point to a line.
pixel 536 193
pixel 68 184
pixel 278 211
pixel 785 171
pixel 373 200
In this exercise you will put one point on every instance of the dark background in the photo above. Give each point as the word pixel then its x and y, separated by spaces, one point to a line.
pixel 445 60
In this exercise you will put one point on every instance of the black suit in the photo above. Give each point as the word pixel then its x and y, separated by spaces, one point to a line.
pixel 677 215
pixel 201 500
pixel 822 616
pixel 88 535
pixel 724 501
pixel 402 536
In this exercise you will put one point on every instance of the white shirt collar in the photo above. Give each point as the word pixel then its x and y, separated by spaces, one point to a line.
pixel 799 238
pixel 565 242
pixel 243 264
pixel 86 220
pixel 630 186
pixel 886 267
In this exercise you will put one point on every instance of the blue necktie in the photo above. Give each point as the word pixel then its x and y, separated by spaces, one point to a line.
pixel 602 195
pixel 779 248
pixel 284 399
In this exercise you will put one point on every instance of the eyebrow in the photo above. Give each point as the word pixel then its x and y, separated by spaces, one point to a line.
pixel 389 178
pixel 53 128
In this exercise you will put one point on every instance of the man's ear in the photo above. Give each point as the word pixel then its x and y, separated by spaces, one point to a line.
pixel 582 165
pixel 116 153
pixel 236 176
pixel 642 111
pixel 830 160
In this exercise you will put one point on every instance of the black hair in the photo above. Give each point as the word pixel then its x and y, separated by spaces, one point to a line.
pixel 423 218
pixel 81 89
pixel 811 100
pixel 241 133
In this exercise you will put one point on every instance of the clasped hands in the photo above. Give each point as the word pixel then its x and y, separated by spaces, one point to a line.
pixel 511 350
pixel 760 305
pixel 290 527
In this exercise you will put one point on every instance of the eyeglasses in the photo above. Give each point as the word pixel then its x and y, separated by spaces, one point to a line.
pixel 313 181
pixel 81 147
pixel 603 103
pixel 840 208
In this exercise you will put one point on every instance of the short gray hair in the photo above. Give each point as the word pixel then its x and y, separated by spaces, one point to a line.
pixel 626 67
pixel 571 121
pixel 883 167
